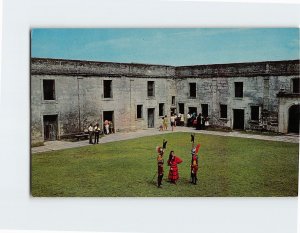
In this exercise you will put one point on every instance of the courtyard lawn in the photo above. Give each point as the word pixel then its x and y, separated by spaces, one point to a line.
pixel 228 166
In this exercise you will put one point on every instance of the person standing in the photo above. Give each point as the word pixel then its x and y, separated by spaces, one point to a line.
pixel 199 122
pixel 206 122
pixel 188 117
pixel 161 127
pixel 173 172
pixel 203 122
pixel 97 133
pixel 111 127
pixel 165 123
pixel 160 166
pixel 182 120
pixel 172 120
pixel 91 131
pixel 194 167
pixel 106 126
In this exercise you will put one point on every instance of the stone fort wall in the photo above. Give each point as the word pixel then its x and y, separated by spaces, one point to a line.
pixel 79 89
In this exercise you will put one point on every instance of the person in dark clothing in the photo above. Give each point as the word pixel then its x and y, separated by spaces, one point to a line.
pixel 199 122
pixel 97 133
pixel 203 122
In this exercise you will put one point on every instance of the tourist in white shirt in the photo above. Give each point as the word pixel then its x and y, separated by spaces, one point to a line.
pixel 188 117
pixel 91 131
pixel 172 119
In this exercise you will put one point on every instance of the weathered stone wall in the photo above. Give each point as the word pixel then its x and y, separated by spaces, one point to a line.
pixel 283 115
pixel 99 69
pixel 65 104
pixel 80 101
pixel 269 68
pixel 215 85
pixel 220 90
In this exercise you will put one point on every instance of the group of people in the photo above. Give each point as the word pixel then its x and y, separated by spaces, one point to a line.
pixel 95 131
pixel 175 120
pixel 172 162
pixel 200 121
pixel 109 128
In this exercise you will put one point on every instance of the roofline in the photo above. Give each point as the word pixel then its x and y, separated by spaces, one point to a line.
pixel 148 64
pixel 51 66
pixel 99 62
pixel 242 63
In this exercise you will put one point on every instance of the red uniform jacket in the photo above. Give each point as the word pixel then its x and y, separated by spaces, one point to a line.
pixel 160 165
pixel 194 164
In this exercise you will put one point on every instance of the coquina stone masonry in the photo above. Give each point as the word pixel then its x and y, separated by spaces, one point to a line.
pixel 79 99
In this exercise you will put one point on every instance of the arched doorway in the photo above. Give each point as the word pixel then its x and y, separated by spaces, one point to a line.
pixel 294 119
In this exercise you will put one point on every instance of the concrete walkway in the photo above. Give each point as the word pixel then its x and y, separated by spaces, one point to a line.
pixel 59 145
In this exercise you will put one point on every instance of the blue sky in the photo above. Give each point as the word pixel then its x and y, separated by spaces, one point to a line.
pixel 189 46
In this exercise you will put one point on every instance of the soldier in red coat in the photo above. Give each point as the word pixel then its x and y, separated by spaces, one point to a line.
pixel 172 162
pixel 194 164
pixel 194 168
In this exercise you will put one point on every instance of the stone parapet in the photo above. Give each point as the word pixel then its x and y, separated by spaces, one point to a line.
pixel 92 68
pixel 268 68
pixel 45 66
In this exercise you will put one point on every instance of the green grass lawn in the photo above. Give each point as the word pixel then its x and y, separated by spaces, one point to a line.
pixel 228 166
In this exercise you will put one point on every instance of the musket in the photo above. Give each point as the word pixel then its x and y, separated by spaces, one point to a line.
pixel 154 176
pixel 193 140
pixel 164 144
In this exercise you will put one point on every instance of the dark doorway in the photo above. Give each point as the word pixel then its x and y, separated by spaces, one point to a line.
pixel 151 117
pixel 109 116
pixel 238 119
pixel 50 127
pixel 294 119
pixel 193 110
pixel 204 108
